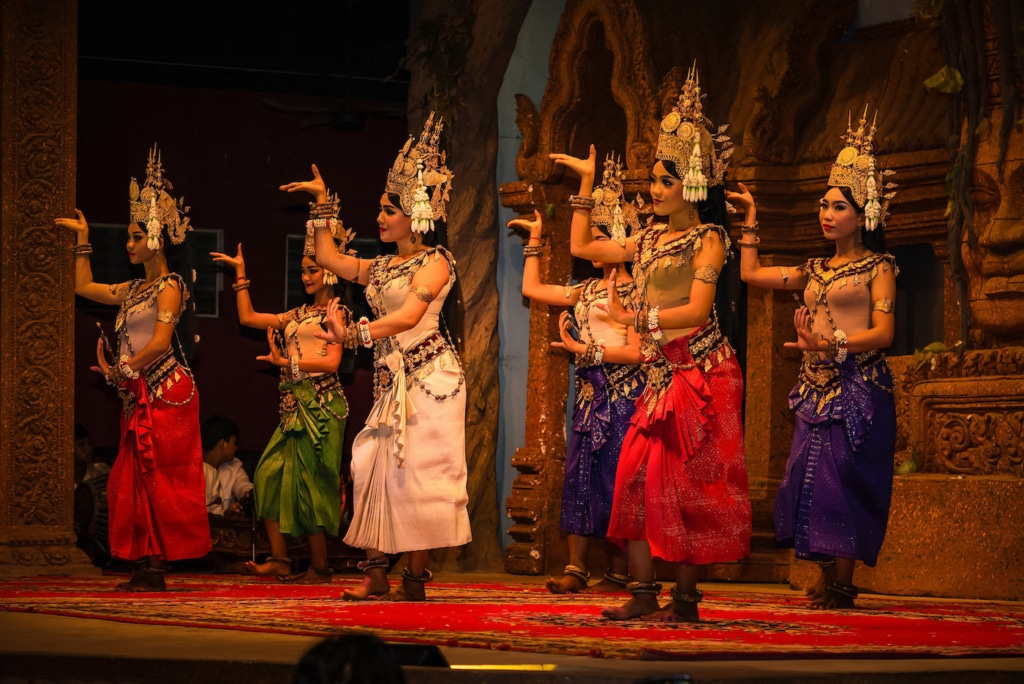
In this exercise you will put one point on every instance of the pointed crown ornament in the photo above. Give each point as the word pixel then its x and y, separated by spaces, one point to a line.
pixel 686 139
pixel 619 218
pixel 854 168
pixel 326 214
pixel 154 208
pixel 418 168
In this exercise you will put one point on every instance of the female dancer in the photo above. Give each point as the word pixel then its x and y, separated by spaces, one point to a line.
pixel 155 493
pixel 833 503
pixel 409 462
pixel 298 477
pixel 681 485
pixel 608 382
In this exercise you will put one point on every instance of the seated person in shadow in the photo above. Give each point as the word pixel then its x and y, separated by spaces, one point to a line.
pixel 228 488
pixel 349 659
pixel 90 512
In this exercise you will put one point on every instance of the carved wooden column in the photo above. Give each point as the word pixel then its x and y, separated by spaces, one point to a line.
pixel 598 92
pixel 37 130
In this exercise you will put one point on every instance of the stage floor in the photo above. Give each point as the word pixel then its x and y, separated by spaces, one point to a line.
pixel 51 648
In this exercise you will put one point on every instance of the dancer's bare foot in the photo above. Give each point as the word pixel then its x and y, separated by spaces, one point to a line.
pixel 837 597
pixel 682 607
pixel 817 591
pixel 373 586
pixel 310 576
pixel 605 586
pixel 640 606
pixel 413 586
pixel 676 611
pixel 273 566
pixel 566 584
pixel 145 579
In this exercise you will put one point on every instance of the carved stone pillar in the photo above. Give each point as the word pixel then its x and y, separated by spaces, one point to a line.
pixel 37 130
pixel 768 427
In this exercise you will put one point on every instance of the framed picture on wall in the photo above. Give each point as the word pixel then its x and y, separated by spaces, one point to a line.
pixel 110 265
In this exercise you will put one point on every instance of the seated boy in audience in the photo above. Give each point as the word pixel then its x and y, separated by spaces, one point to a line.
pixel 228 488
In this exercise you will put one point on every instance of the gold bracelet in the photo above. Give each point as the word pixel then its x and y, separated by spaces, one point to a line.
pixel 755 243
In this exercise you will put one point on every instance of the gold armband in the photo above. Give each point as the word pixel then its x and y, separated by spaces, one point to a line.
pixel 423 293
pixel 166 316
pixel 707 273
pixel 884 305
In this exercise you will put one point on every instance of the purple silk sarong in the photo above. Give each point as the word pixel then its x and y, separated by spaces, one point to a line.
pixel 599 422
pixel 834 498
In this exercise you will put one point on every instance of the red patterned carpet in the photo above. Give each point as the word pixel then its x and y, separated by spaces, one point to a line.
pixel 524 617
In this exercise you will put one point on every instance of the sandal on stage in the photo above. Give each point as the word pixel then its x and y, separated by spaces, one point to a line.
pixel 145 579
pixel 375 584
pixel 412 586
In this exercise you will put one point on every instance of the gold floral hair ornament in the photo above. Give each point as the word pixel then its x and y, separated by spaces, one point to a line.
pixel 620 218
pixel 418 168
pixel 687 140
pixel 855 169
pixel 326 214
pixel 154 208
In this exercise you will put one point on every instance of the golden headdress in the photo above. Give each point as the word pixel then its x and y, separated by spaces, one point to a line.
pixel 687 140
pixel 154 208
pixel 326 214
pixel 620 218
pixel 418 168
pixel 854 168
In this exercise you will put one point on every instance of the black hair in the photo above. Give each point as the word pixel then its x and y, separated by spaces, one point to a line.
pixel 871 239
pixel 180 261
pixel 451 313
pixel 216 428
pixel 349 659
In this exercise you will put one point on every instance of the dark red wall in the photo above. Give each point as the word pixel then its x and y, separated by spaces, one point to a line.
pixel 226 153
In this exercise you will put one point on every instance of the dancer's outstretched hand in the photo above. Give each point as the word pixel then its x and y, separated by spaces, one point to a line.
pixel 337 325
pixel 568 343
pixel 584 168
pixel 615 309
pixel 77 224
pixel 805 339
pixel 237 262
pixel 535 227
pixel 315 187
pixel 274 356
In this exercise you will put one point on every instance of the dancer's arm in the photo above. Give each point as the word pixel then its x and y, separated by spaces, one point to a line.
pixel 344 265
pixel 582 243
pixel 247 316
pixel 751 270
pixel 84 284
pixel 533 288
pixel 426 284
pixel 707 265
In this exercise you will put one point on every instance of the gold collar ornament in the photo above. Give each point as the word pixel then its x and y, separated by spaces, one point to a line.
pixel 687 140
pixel 619 218
pixel 154 208
pixel 855 169
pixel 420 167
